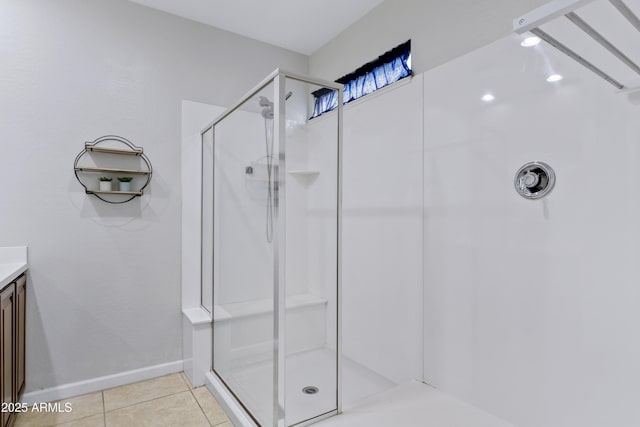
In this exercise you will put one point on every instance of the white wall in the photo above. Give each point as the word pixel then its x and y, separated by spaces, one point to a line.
pixel 104 290
pixel 531 307
pixel 439 30
pixel 322 204
pixel 382 230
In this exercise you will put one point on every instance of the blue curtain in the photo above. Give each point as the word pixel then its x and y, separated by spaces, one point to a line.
pixel 325 102
pixel 388 68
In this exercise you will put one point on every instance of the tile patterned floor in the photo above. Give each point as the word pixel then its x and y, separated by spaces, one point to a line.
pixel 168 401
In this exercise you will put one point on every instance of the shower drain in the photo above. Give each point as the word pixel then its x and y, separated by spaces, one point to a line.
pixel 310 389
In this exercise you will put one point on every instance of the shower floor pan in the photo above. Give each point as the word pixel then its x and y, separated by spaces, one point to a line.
pixel 314 368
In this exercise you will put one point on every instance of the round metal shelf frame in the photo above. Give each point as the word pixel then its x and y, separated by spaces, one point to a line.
pixel 131 150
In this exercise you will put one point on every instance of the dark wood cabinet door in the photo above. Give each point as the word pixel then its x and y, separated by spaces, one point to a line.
pixel 7 306
pixel 21 310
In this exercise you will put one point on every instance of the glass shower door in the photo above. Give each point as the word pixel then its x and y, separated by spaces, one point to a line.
pixel 271 212
pixel 243 255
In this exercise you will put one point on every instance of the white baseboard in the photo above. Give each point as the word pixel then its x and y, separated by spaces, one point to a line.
pixel 101 383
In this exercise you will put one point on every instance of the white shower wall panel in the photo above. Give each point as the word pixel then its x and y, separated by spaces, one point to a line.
pixel 382 229
pixel 296 219
pixel 531 306
pixel 322 198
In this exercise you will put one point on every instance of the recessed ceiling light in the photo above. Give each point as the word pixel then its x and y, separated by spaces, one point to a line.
pixel 488 97
pixel 530 41
pixel 554 78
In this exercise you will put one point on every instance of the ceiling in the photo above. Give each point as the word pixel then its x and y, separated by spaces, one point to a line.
pixel 299 25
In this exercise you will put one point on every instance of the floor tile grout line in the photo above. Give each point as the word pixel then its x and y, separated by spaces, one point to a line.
pixel 217 403
pixel 139 382
pixel 104 410
pixel 67 422
pixel 184 378
pixel 58 422
pixel 144 401
pixel 200 406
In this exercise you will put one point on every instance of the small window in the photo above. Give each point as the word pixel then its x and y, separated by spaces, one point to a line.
pixel 390 67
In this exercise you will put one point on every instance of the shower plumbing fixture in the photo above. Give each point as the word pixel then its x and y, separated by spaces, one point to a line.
pixel 267 114
pixel 310 389
pixel 534 180
pixel 267 110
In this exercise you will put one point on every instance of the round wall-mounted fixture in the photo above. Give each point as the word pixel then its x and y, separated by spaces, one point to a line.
pixel 534 180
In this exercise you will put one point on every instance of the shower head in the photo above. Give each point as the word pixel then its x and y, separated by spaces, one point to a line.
pixel 267 111
pixel 264 102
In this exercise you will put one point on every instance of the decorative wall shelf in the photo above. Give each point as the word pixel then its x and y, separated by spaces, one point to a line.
pixel 111 170
pixel 136 152
pixel 111 152
pixel 129 193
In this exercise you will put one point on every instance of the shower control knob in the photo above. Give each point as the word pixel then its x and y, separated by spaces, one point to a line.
pixel 530 179
pixel 534 180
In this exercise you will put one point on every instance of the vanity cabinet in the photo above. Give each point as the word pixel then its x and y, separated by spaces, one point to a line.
pixel 12 345
pixel 7 306
pixel 21 306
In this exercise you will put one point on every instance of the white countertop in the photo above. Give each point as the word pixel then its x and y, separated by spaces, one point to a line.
pixel 13 262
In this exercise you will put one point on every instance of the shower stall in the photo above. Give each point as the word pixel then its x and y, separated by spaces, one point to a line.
pixel 271 206
pixel 487 245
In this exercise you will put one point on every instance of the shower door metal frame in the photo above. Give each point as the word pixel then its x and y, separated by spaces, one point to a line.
pixel 278 77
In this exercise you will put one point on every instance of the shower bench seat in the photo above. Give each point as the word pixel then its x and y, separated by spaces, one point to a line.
pixel 243 332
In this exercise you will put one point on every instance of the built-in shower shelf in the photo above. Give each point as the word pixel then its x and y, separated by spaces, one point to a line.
pixel 304 172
